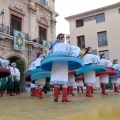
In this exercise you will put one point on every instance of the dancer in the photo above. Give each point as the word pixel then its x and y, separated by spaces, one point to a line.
pixel 4 73
pixel 115 78
pixel 89 69
pixel 79 83
pixel 16 78
pixel 38 76
pixel 61 58
pixel 104 76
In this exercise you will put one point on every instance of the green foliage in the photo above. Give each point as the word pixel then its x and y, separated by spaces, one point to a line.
pixel 20 64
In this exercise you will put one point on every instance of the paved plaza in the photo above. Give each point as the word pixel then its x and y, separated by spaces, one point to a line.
pixel 25 107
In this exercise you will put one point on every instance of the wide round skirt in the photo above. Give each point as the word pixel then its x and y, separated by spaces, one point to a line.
pixel 90 67
pixel 109 71
pixel 27 76
pixel 4 72
pixel 71 79
pixel 89 77
pixel 104 78
pixel 59 73
pixel 73 62
pixel 38 73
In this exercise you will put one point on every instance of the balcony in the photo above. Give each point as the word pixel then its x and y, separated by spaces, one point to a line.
pixel 10 31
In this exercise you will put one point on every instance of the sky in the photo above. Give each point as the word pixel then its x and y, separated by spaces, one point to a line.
pixel 67 8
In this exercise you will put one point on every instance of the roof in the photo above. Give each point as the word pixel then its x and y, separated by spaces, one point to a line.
pixel 94 11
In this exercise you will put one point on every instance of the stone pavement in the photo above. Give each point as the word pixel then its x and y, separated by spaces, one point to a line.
pixel 25 107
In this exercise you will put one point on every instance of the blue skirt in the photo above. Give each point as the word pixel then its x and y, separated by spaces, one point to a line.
pixel 73 62
pixel 85 68
pixel 27 76
pixel 115 76
pixel 39 73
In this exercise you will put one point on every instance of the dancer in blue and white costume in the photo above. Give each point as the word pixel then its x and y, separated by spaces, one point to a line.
pixel 89 69
pixel 104 76
pixel 71 75
pixel 61 58
pixel 38 76
pixel 115 78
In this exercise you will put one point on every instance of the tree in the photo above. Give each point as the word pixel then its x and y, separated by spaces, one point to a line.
pixel 20 64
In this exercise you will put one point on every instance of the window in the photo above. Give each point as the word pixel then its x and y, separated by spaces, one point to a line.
pixel 79 23
pixel 106 52
pixel 16 23
pixel 94 51
pixel 81 42
pixel 42 1
pixel 86 19
pixel 42 34
pixel 100 18
pixel 92 18
pixel 89 18
pixel 102 39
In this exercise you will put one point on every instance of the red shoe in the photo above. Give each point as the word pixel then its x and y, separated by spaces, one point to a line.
pixel 71 90
pixel 40 93
pixel 36 92
pixel 64 95
pixel 92 90
pixel 68 90
pixel 82 89
pixel 88 91
pixel 11 94
pixel 56 93
pixel 103 89
pixel 78 89
pixel 116 89
pixel 1 93
pixel 32 91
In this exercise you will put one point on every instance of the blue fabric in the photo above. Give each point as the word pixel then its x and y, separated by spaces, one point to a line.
pixel 52 44
pixel 115 76
pixel 89 67
pixel 27 76
pixel 73 62
pixel 39 73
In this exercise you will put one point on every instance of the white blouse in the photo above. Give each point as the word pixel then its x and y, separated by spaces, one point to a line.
pixel 116 66
pixel 38 62
pixel 106 63
pixel 69 49
pixel 90 59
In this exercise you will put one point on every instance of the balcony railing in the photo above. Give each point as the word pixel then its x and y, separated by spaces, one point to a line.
pixel 10 31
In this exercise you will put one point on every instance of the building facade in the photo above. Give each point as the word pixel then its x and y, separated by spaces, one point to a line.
pixel 99 28
pixel 36 19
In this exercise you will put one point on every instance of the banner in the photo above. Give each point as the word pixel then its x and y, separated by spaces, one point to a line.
pixel 19 40
pixel 46 45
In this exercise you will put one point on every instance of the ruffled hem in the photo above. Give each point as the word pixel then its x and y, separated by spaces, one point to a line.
pixel 58 82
